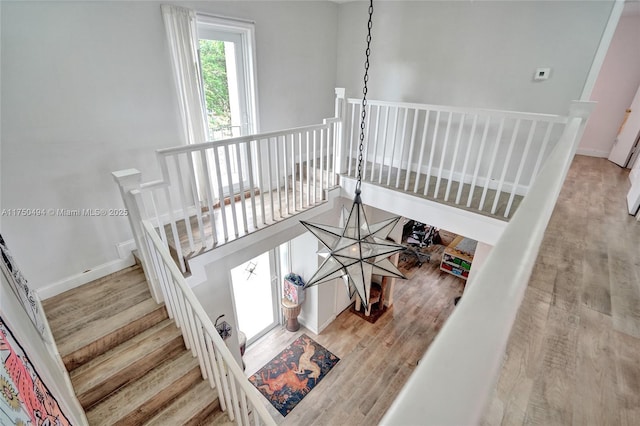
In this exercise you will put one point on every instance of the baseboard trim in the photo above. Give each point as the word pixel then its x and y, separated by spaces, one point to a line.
pixel 326 324
pixel 592 152
pixel 85 277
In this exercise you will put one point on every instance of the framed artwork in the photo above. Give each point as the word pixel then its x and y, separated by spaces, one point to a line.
pixel 27 297
pixel 24 399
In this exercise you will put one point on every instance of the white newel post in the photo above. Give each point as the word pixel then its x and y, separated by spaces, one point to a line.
pixel 340 114
pixel 129 180
pixel 583 110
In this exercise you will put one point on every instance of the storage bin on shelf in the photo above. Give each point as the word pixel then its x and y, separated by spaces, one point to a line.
pixel 458 257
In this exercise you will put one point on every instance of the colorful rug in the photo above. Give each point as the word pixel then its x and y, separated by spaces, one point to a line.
pixel 293 373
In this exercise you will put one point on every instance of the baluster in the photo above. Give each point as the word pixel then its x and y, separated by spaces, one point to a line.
pixel 393 146
pixel 190 157
pixel 402 139
pixel 181 197
pixel 251 183
pixel 182 314
pixel 478 160
pixel 232 198
pixel 423 143
pixel 492 164
pixel 375 143
pixel 172 221
pixel 206 360
pixel 293 172
pixel 159 224
pixel 195 338
pixel 286 173
pixel 315 169
pixel 270 179
pixel 384 145
pixel 161 274
pixel 445 144
pixel 466 158
pixel 543 148
pixel 321 164
pixel 300 183
pixel 503 175
pixel 243 407
pixel 432 153
pixel 223 207
pixel 416 115
pixel 222 397
pixel 455 157
pixel 366 145
pixel 234 398
pixel 525 154
pixel 307 147
pixel 209 195
pixel 277 157
pixel 261 185
pixel 238 155
pixel 222 373
pixel 352 130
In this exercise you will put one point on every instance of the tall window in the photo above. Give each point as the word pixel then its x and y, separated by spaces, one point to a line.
pixel 226 50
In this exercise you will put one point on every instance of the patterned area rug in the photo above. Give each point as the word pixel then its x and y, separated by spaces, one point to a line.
pixel 293 373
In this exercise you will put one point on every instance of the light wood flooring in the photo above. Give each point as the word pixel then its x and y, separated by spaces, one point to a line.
pixel 573 357
pixel 375 359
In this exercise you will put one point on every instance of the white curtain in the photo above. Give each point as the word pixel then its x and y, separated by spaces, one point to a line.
pixel 180 24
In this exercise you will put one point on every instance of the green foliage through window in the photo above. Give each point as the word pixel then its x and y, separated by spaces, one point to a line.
pixel 216 90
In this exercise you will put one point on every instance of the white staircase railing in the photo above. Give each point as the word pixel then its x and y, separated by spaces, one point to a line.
pixel 241 401
pixel 455 378
pixel 451 154
pixel 214 192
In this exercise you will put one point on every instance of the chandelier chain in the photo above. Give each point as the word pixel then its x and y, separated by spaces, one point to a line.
pixel 364 98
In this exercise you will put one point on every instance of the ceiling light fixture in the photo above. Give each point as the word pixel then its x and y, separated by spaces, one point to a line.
pixel 357 250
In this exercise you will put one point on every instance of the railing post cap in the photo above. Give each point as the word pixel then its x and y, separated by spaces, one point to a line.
pixel 128 177
pixel 340 92
pixel 581 109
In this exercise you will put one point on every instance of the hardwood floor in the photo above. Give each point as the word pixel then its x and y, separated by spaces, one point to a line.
pixel 574 352
pixel 375 359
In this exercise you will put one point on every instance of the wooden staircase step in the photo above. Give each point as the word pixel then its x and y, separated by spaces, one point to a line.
pixel 100 308
pixel 96 379
pixel 196 407
pixel 79 296
pixel 140 400
pixel 99 336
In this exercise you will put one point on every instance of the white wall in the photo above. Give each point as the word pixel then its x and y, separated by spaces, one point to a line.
pixel 477 54
pixel 40 353
pixel 87 89
pixel 616 85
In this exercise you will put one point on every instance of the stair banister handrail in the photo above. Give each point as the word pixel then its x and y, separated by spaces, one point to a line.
pixel 129 180
pixel 208 326
pixel 457 374
pixel 554 118
pixel 243 139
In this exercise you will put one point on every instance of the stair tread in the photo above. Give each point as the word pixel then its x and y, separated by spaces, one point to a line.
pixel 132 402
pixel 93 288
pixel 104 308
pixel 125 362
pixel 190 407
pixel 96 329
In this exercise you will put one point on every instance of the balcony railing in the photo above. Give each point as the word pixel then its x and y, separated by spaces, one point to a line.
pixel 482 160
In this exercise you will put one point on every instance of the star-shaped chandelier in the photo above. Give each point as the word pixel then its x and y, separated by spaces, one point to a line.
pixel 357 250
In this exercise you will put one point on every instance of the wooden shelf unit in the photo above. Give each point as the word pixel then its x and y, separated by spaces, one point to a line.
pixel 456 262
